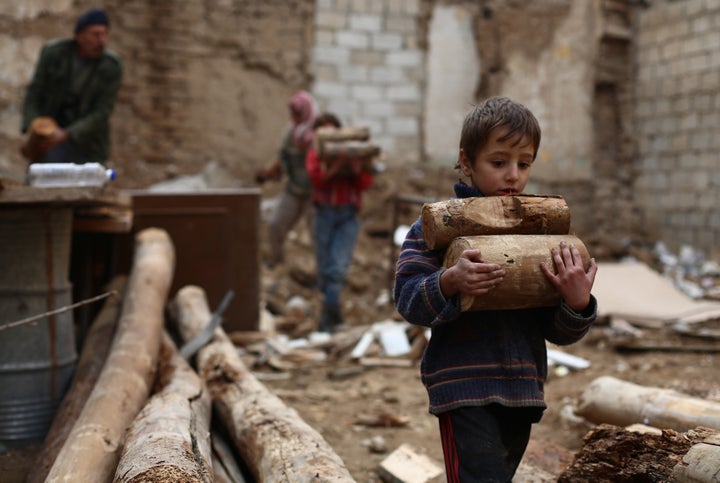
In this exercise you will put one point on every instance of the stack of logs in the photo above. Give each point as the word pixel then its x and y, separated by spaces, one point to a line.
pixel 113 425
pixel 342 144
pixel 515 232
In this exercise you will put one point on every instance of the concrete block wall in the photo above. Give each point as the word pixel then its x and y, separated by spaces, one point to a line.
pixel 369 69
pixel 677 120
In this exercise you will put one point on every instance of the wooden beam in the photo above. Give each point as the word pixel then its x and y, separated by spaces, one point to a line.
pixel 274 442
pixel 92 449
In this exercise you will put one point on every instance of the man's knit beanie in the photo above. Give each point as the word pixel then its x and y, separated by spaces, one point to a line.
pixel 96 16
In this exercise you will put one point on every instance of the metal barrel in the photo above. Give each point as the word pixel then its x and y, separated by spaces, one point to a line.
pixel 36 360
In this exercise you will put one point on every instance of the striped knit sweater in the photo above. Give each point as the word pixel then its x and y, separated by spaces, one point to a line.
pixel 482 357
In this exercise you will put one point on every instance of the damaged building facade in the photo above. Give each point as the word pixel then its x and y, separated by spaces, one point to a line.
pixel 627 92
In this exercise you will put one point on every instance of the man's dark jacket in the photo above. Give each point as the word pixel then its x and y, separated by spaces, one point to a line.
pixel 88 126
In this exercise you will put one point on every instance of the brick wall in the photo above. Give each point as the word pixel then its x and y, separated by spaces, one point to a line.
pixel 369 69
pixel 677 121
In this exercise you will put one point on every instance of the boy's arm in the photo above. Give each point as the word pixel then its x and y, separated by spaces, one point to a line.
pixel 572 281
pixel 426 293
pixel 578 309
pixel 417 293
pixel 564 326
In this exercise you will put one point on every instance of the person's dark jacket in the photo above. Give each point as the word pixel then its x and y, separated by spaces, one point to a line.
pixel 87 121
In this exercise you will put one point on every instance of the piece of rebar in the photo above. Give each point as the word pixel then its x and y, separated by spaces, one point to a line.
pixel 35 318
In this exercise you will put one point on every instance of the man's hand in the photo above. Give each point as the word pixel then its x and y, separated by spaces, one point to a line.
pixel 35 148
pixel 572 281
pixel 60 135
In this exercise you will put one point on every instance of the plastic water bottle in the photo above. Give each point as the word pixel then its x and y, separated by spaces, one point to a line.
pixel 69 174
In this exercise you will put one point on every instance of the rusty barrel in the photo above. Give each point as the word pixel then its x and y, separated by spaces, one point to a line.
pixel 36 360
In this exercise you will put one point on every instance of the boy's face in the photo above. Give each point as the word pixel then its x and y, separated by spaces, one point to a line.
pixel 500 168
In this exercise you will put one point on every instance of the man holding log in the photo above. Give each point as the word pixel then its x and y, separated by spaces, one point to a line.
pixel 71 96
pixel 484 370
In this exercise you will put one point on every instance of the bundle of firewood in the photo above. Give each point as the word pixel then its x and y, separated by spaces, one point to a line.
pixel 343 145
pixel 515 232
pixel 137 410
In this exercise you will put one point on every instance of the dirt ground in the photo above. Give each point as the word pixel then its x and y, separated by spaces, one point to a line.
pixel 337 406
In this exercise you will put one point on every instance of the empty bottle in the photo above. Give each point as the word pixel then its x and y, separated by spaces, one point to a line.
pixel 69 174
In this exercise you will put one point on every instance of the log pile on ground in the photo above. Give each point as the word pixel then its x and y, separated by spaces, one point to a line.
pixel 274 442
pixel 138 412
pixel 161 429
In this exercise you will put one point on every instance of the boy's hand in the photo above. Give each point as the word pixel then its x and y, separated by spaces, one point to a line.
pixel 471 275
pixel 573 283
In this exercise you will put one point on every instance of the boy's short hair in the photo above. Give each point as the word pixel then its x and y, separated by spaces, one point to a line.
pixel 498 112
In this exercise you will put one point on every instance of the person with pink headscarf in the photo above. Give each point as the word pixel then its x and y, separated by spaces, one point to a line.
pixel 296 197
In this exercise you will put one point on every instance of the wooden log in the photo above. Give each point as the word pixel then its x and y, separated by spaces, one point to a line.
pixel 271 438
pixel 611 453
pixel 170 437
pixel 701 463
pixel 347 151
pixel 613 401
pixel 444 221
pixel 524 285
pixel 92 358
pixel 348 133
pixel 331 151
pixel 92 449
pixel 40 130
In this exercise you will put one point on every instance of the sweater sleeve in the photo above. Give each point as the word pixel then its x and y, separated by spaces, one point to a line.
pixel 418 297
pixel 568 326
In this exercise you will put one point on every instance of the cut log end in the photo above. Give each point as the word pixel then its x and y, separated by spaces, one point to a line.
pixel 168 474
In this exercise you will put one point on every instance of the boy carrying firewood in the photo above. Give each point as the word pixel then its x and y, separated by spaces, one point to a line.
pixel 484 370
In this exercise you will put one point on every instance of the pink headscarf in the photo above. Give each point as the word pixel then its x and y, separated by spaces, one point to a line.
pixel 302 131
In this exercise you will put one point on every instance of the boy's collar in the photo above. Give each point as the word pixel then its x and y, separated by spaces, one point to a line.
pixel 463 190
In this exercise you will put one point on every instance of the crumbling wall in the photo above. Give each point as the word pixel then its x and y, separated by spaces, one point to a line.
pixel 204 80
pixel 209 80
pixel 369 70
pixel 677 120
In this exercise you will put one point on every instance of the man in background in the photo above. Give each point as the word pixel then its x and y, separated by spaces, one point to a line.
pixel 71 95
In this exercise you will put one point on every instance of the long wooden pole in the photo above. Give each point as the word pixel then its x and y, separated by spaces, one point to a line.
pixel 92 449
